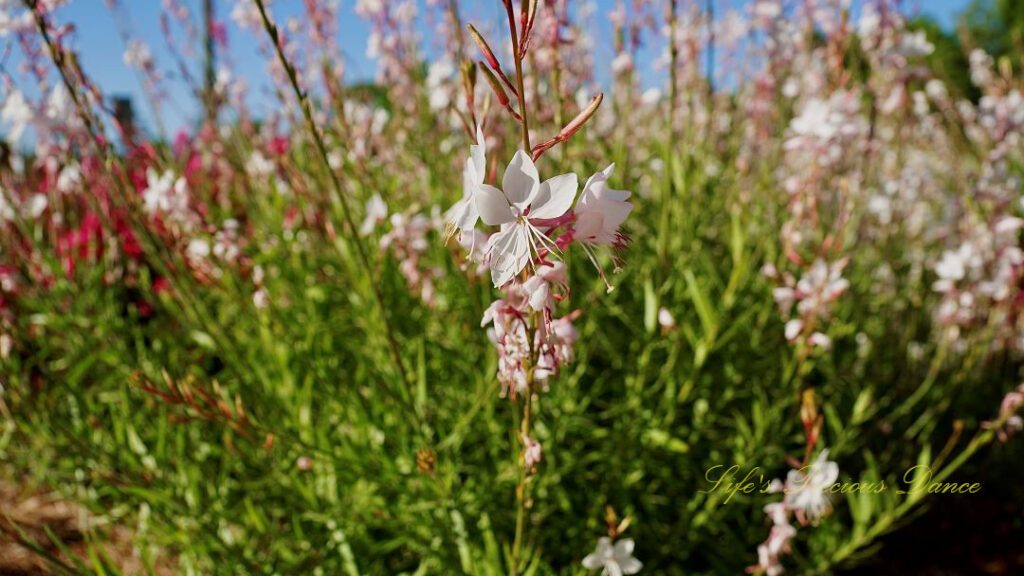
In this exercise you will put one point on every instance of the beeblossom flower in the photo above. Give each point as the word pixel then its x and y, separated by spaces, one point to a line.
pixel 806 489
pixel 165 195
pixel 17 114
pixel 137 55
pixel 806 497
pixel 532 453
pixel 552 339
pixel 915 44
pixel 518 208
pixel 601 210
pixel 822 284
pixel 613 559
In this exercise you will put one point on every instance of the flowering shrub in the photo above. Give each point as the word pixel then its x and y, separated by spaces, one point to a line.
pixel 513 307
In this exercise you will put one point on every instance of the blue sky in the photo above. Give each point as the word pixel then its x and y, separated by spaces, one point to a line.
pixel 102 49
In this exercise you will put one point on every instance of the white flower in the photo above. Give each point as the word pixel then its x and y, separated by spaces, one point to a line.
pixel 247 15
pixel 768 9
pixel 59 106
pixel 165 194
pixel 523 200
pixel 13 19
pixel 137 55
pixel 951 267
pixel 915 44
pixel 464 215
pixel 69 179
pixel 369 8
pixel 35 207
pixel 869 22
pixel 777 512
pixel 815 121
pixel 665 319
pixel 439 77
pixel 622 63
pixel 376 212
pixel 806 488
pixel 198 249
pixel 17 114
pixel 823 283
pixel 260 166
pixel 615 560
pixel 793 329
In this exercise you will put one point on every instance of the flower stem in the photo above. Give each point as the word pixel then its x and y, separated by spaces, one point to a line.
pixel 522 495
pixel 525 423
pixel 517 53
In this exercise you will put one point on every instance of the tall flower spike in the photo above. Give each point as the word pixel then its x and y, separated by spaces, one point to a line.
pixel 523 201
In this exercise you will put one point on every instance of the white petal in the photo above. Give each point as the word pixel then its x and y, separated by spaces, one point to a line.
pixel 510 251
pixel 492 205
pixel 521 180
pixel 470 178
pixel 615 213
pixel 598 179
pixel 463 214
pixel 793 328
pixel 631 566
pixel 592 562
pixel 478 157
pixel 624 548
pixel 554 197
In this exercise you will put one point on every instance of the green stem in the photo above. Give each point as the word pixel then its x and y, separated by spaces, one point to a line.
pixel 522 495
pixel 926 385
pixel 525 424
pixel 521 92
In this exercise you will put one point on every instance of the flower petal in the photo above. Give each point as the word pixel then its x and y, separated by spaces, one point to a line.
pixel 631 565
pixel 592 562
pixel 554 197
pixel 492 205
pixel 478 157
pixel 521 180
pixel 624 548
pixel 510 251
pixel 463 215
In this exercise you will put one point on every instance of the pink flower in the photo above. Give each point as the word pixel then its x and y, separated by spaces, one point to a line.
pixel 532 453
pixel 601 211
pixel 1012 422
